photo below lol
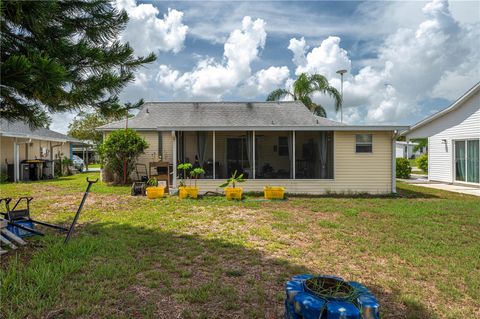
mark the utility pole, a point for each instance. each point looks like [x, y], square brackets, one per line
[341, 72]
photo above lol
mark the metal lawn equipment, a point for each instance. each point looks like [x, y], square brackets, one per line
[20, 224]
[138, 186]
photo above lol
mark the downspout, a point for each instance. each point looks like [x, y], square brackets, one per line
[394, 162]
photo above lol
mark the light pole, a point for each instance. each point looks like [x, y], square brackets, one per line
[341, 72]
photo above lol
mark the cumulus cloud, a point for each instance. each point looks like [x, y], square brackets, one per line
[211, 79]
[146, 32]
[265, 81]
[436, 59]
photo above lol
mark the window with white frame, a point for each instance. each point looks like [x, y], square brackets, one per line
[363, 143]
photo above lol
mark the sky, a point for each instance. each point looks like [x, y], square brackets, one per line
[405, 59]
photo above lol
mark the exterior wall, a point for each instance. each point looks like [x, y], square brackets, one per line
[462, 123]
[6, 153]
[353, 173]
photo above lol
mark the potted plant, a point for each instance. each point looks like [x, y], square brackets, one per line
[274, 192]
[194, 174]
[233, 192]
[153, 190]
[182, 188]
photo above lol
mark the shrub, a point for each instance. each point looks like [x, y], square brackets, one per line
[403, 168]
[422, 162]
[119, 148]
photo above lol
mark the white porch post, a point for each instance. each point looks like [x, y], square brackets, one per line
[394, 163]
[293, 154]
[253, 154]
[16, 161]
[174, 160]
[213, 149]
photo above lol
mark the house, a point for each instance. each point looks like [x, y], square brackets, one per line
[453, 140]
[271, 143]
[29, 154]
[406, 149]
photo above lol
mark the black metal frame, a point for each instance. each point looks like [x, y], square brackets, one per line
[15, 215]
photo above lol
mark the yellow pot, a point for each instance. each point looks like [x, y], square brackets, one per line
[192, 192]
[187, 191]
[182, 192]
[155, 192]
[233, 193]
[274, 192]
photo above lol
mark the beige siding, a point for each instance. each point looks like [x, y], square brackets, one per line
[6, 153]
[354, 173]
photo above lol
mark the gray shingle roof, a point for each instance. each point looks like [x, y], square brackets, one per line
[198, 115]
[20, 129]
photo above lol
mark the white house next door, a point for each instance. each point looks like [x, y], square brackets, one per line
[466, 160]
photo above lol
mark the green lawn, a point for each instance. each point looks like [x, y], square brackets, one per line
[133, 257]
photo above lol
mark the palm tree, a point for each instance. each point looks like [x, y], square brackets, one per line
[303, 87]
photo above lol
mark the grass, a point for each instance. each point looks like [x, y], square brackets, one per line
[132, 257]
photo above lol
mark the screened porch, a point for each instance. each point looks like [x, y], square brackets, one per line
[258, 155]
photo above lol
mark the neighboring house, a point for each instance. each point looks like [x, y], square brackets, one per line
[271, 143]
[407, 149]
[453, 140]
[28, 154]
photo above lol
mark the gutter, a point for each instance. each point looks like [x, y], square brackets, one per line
[268, 128]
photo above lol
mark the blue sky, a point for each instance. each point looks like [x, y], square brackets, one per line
[405, 60]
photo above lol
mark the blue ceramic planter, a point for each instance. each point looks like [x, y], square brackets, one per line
[302, 303]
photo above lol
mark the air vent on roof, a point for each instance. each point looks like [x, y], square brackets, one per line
[249, 104]
[147, 111]
[317, 121]
[196, 104]
[273, 123]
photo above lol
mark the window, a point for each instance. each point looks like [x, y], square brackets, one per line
[363, 143]
[282, 146]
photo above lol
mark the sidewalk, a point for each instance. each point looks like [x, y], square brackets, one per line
[421, 180]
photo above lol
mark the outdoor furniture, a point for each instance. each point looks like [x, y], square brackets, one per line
[161, 171]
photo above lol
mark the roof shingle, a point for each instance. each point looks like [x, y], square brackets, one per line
[171, 115]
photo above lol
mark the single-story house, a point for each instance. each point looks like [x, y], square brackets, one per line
[271, 143]
[453, 140]
[29, 154]
[406, 149]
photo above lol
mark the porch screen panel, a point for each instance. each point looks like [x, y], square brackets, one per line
[314, 155]
[198, 151]
[460, 166]
[473, 161]
[273, 152]
[233, 152]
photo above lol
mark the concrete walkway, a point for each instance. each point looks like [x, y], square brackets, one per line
[463, 189]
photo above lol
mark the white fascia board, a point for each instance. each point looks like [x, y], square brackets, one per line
[35, 137]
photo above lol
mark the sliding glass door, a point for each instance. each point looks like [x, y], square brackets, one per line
[472, 161]
[467, 163]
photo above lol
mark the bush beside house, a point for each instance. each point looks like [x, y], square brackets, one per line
[119, 152]
[403, 168]
[422, 162]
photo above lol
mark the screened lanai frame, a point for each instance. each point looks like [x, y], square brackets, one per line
[289, 146]
[470, 172]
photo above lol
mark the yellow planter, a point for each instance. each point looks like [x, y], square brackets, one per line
[233, 193]
[155, 192]
[187, 191]
[182, 192]
[192, 192]
[274, 192]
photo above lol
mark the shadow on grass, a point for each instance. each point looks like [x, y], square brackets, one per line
[118, 270]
